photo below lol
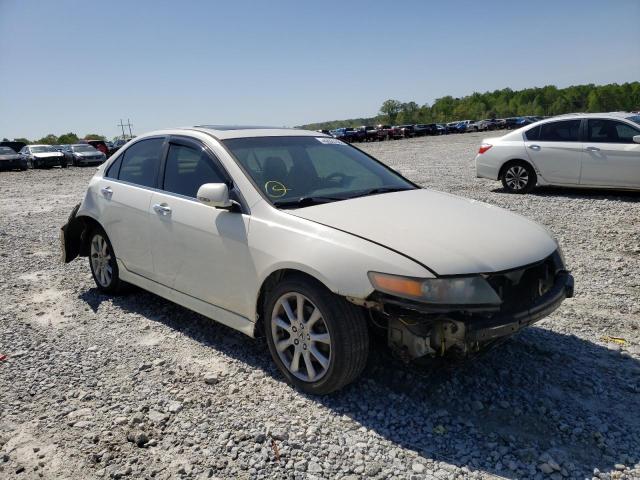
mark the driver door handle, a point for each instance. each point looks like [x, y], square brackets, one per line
[534, 147]
[162, 209]
[106, 191]
[592, 149]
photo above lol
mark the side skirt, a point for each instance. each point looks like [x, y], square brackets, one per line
[213, 312]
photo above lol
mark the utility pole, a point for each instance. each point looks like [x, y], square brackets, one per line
[128, 124]
[122, 126]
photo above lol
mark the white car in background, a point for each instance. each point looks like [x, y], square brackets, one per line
[599, 150]
[43, 156]
[313, 243]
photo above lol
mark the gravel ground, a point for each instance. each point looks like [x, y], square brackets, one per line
[136, 387]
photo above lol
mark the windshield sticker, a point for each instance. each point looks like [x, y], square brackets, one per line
[275, 189]
[329, 141]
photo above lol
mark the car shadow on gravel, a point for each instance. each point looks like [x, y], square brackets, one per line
[541, 401]
[581, 193]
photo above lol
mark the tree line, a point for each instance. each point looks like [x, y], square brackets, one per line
[540, 101]
[65, 139]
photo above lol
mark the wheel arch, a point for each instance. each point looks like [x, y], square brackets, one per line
[89, 224]
[514, 160]
[270, 282]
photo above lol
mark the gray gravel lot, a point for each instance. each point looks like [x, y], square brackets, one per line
[136, 387]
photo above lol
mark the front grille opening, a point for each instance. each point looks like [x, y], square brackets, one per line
[519, 289]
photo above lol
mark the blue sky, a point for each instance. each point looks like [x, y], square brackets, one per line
[82, 65]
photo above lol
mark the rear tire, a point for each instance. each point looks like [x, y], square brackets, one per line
[518, 177]
[318, 340]
[103, 264]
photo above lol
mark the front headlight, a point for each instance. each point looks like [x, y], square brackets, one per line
[472, 290]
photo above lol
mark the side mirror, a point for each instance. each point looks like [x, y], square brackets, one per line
[636, 138]
[214, 195]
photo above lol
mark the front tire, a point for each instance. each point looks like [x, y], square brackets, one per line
[103, 264]
[518, 177]
[318, 340]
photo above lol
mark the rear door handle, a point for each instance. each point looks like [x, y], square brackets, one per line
[534, 147]
[592, 149]
[162, 209]
[106, 191]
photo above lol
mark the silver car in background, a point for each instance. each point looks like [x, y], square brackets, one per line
[83, 154]
[598, 150]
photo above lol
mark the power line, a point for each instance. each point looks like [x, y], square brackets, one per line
[122, 125]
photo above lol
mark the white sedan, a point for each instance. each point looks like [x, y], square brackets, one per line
[600, 150]
[313, 243]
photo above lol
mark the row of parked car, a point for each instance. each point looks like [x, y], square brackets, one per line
[368, 133]
[20, 156]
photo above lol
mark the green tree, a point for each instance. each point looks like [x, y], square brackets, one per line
[23, 140]
[94, 136]
[68, 138]
[390, 109]
[50, 139]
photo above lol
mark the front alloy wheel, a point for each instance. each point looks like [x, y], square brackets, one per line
[301, 337]
[318, 340]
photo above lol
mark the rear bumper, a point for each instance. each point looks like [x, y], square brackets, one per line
[485, 169]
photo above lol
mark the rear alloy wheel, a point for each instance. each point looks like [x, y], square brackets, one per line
[102, 261]
[318, 340]
[519, 177]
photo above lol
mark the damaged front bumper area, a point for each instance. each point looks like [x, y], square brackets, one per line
[71, 237]
[416, 329]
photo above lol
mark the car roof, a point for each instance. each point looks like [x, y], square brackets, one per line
[223, 132]
[594, 115]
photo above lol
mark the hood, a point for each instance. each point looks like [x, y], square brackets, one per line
[448, 234]
[9, 156]
[88, 154]
[47, 154]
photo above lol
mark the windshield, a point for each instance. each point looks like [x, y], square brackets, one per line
[300, 169]
[6, 151]
[42, 149]
[83, 148]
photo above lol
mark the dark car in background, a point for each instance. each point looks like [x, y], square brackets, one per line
[43, 156]
[511, 123]
[83, 154]
[116, 145]
[422, 129]
[100, 145]
[11, 160]
[395, 133]
[366, 133]
[346, 134]
[15, 146]
[407, 131]
[384, 132]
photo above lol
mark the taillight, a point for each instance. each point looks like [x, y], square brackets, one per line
[484, 147]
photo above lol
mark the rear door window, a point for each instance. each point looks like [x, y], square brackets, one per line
[141, 161]
[563, 131]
